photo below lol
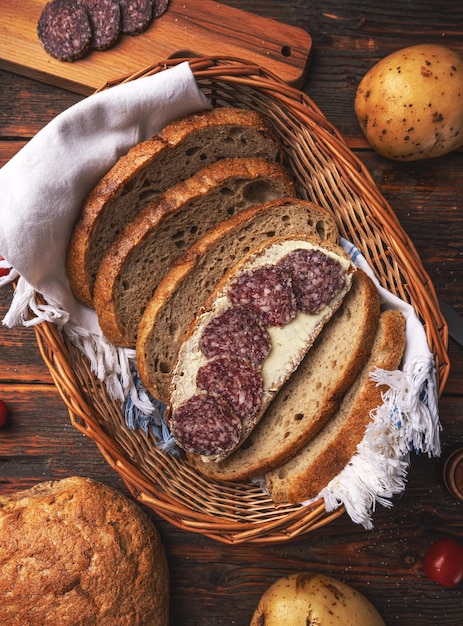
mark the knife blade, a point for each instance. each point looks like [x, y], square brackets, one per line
[454, 321]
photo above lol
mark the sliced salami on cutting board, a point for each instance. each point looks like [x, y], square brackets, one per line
[188, 28]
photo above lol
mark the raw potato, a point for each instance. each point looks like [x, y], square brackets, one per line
[307, 599]
[410, 104]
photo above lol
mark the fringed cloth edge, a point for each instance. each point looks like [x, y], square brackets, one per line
[115, 367]
[407, 421]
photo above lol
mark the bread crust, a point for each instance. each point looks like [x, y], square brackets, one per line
[176, 210]
[175, 133]
[98, 203]
[314, 391]
[291, 362]
[189, 282]
[75, 551]
[85, 248]
[325, 456]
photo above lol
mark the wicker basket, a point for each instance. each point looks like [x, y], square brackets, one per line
[327, 173]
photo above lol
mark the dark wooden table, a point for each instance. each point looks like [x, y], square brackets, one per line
[216, 584]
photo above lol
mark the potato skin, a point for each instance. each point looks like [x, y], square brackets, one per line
[410, 104]
[305, 598]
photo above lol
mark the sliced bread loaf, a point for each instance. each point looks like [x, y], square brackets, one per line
[226, 336]
[136, 261]
[148, 169]
[304, 476]
[185, 288]
[314, 391]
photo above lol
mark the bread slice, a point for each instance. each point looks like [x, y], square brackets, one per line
[148, 169]
[184, 289]
[289, 342]
[314, 391]
[140, 256]
[304, 476]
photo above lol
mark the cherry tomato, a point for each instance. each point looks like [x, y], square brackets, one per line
[443, 562]
[3, 270]
[3, 413]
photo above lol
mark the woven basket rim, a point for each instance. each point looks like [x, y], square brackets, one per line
[295, 520]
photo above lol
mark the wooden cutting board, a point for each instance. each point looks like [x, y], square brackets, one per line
[187, 28]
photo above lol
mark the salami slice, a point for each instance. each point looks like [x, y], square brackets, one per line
[64, 29]
[268, 291]
[105, 20]
[316, 278]
[160, 7]
[236, 332]
[238, 381]
[136, 15]
[206, 425]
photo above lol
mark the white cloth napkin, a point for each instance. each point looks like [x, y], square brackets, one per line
[43, 188]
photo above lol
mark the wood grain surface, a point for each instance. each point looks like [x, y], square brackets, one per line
[187, 28]
[214, 584]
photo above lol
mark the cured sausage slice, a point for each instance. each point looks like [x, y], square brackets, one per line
[205, 424]
[236, 332]
[160, 7]
[238, 381]
[64, 29]
[316, 278]
[136, 15]
[268, 291]
[105, 20]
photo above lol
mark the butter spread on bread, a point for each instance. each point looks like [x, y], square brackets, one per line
[136, 261]
[148, 169]
[288, 343]
[312, 394]
[191, 279]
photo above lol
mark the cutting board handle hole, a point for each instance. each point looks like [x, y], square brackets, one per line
[286, 51]
[184, 54]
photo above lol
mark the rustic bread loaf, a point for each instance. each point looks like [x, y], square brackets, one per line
[274, 348]
[313, 392]
[184, 289]
[304, 476]
[149, 168]
[136, 261]
[75, 551]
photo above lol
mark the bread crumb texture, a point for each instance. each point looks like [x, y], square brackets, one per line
[75, 551]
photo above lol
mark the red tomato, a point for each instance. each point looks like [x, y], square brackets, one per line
[443, 562]
[3, 413]
[3, 270]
